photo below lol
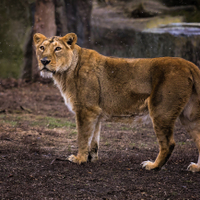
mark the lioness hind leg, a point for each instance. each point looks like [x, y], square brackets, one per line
[166, 145]
[168, 98]
[195, 167]
[194, 129]
[190, 118]
[94, 147]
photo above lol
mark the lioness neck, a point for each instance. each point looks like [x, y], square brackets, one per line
[59, 77]
[65, 80]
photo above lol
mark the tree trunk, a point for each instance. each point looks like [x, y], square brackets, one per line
[79, 20]
[84, 9]
[45, 24]
[28, 53]
[61, 18]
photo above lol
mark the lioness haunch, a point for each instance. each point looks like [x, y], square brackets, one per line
[96, 87]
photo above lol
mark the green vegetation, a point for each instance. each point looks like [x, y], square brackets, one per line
[72, 133]
[125, 128]
[15, 24]
[108, 125]
[11, 123]
[42, 121]
[107, 143]
[52, 122]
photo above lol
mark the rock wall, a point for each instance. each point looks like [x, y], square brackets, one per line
[148, 44]
[15, 23]
[158, 43]
[115, 35]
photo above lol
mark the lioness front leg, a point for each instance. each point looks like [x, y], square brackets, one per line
[94, 146]
[86, 121]
[166, 146]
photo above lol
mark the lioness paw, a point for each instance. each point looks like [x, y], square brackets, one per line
[193, 167]
[72, 158]
[148, 165]
[93, 157]
[76, 159]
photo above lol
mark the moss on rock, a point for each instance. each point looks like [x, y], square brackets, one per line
[15, 20]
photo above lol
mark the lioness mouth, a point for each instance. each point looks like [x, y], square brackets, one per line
[46, 69]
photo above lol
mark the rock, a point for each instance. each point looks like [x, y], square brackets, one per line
[144, 37]
[15, 23]
[176, 39]
[153, 8]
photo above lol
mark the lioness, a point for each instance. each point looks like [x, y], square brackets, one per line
[95, 87]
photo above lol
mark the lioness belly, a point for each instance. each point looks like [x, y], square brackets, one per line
[125, 105]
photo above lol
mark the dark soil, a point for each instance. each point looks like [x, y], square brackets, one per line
[37, 133]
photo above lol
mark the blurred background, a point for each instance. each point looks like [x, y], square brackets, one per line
[123, 28]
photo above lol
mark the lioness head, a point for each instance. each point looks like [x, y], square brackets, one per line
[54, 54]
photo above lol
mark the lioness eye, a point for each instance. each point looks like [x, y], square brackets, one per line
[42, 48]
[57, 48]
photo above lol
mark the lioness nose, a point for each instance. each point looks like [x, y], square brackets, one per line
[45, 61]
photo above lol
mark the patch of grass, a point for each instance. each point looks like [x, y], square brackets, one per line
[12, 123]
[52, 122]
[72, 133]
[143, 145]
[181, 143]
[69, 149]
[45, 121]
[108, 125]
[124, 128]
[188, 181]
[107, 143]
[134, 129]
[132, 145]
[174, 193]
[6, 120]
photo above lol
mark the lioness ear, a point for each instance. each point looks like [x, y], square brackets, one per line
[70, 39]
[38, 38]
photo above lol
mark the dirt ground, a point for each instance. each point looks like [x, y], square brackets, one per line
[37, 134]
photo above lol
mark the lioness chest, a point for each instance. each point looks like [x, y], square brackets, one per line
[67, 90]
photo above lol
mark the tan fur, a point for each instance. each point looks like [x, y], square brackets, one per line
[96, 87]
